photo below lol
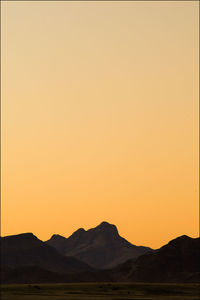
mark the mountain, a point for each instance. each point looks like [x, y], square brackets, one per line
[101, 247]
[25, 259]
[178, 261]
[26, 250]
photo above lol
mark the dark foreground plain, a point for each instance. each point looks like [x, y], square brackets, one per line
[100, 291]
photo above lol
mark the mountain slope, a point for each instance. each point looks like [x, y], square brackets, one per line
[178, 261]
[25, 250]
[101, 247]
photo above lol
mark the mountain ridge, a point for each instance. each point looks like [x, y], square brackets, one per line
[101, 247]
[177, 261]
[25, 250]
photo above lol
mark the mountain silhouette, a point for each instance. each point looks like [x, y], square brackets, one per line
[26, 259]
[178, 261]
[101, 247]
[26, 250]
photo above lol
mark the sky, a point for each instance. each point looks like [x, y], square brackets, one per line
[100, 118]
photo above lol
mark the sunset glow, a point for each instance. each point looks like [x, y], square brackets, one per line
[100, 118]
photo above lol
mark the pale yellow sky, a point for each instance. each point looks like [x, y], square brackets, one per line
[100, 118]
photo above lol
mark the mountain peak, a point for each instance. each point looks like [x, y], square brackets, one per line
[57, 237]
[78, 233]
[106, 227]
[80, 230]
[101, 247]
[180, 239]
[105, 224]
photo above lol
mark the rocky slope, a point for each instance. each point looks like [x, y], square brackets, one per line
[101, 247]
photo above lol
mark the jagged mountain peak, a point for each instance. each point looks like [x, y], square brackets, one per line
[79, 231]
[100, 247]
[106, 225]
[105, 228]
[57, 237]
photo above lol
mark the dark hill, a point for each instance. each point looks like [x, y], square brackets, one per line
[25, 250]
[178, 261]
[101, 247]
[25, 262]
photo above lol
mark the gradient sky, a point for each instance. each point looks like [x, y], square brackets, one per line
[100, 118]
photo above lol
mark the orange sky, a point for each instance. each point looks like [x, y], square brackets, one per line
[100, 118]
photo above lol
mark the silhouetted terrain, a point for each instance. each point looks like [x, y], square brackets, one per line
[178, 261]
[101, 247]
[26, 250]
[26, 259]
